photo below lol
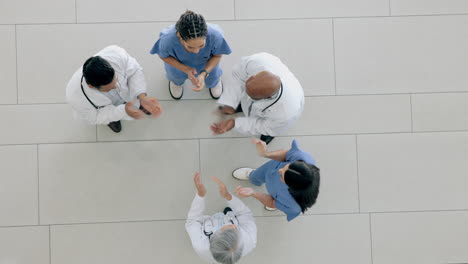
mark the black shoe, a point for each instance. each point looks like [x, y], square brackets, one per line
[226, 210]
[266, 139]
[239, 109]
[144, 110]
[115, 126]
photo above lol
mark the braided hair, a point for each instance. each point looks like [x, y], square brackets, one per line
[303, 180]
[191, 26]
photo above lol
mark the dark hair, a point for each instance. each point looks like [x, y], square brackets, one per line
[303, 180]
[191, 26]
[97, 72]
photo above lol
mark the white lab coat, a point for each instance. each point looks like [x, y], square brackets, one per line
[279, 117]
[200, 241]
[131, 83]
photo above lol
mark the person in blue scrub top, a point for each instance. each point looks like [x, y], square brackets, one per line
[192, 49]
[291, 178]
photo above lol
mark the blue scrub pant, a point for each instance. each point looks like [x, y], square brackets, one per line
[257, 176]
[178, 77]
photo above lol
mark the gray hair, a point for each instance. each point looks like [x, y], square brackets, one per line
[225, 246]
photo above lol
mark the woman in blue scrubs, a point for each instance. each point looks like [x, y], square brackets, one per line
[291, 178]
[192, 49]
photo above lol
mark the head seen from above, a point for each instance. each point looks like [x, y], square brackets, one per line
[99, 74]
[225, 245]
[303, 180]
[263, 85]
[192, 31]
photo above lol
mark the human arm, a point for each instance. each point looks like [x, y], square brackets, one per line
[194, 221]
[191, 72]
[264, 198]
[278, 155]
[235, 86]
[210, 65]
[253, 125]
[246, 222]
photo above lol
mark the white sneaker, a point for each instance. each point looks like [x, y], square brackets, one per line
[242, 173]
[271, 209]
[216, 91]
[176, 91]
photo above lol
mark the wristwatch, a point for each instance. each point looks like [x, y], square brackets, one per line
[207, 73]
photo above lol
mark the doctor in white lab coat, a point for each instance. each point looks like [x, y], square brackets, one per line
[268, 94]
[110, 87]
[226, 236]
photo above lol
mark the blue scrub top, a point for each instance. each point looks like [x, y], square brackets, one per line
[284, 201]
[169, 45]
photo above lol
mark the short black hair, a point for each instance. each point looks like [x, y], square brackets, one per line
[303, 180]
[97, 72]
[191, 26]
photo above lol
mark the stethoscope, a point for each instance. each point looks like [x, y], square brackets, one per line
[89, 100]
[277, 99]
[209, 233]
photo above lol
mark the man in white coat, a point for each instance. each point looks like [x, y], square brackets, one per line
[225, 236]
[268, 94]
[110, 87]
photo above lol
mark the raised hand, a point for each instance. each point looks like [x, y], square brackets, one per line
[227, 110]
[191, 72]
[135, 113]
[199, 185]
[152, 105]
[223, 126]
[261, 147]
[200, 83]
[244, 192]
[222, 189]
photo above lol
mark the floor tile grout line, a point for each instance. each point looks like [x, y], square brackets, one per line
[76, 14]
[256, 216]
[223, 138]
[411, 112]
[235, 15]
[38, 187]
[50, 246]
[238, 20]
[16, 58]
[307, 96]
[371, 240]
[334, 53]
[357, 173]
[389, 7]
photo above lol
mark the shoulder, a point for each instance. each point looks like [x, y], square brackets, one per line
[215, 30]
[168, 34]
[286, 203]
[115, 55]
[295, 153]
[112, 51]
[74, 87]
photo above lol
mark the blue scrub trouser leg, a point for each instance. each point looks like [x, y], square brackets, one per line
[257, 177]
[214, 77]
[174, 75]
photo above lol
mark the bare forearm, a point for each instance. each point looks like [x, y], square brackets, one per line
[212, 62]
[278, 155]
[175, 63]
[265, 199]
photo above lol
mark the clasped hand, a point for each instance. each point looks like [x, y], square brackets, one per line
[198, 81]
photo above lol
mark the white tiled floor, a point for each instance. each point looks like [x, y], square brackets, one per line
[386, 118]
